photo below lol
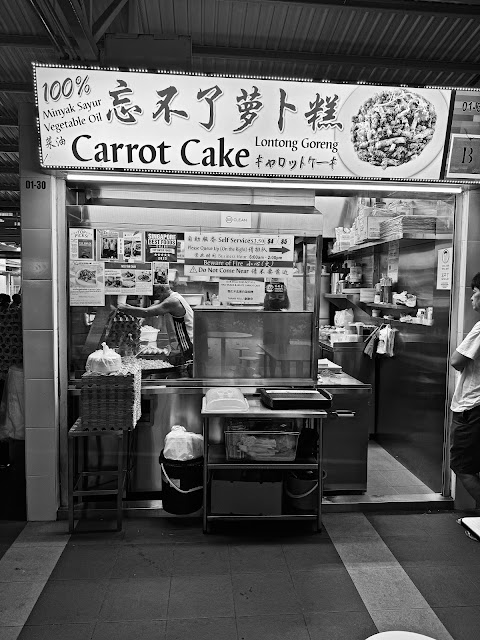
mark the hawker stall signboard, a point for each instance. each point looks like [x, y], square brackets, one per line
[180, 123]
[238, 255]
[464, 150]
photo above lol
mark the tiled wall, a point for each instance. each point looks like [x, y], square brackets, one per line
[38, 207]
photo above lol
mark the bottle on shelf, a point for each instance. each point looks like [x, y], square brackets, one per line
[377, 298]
[387, 290]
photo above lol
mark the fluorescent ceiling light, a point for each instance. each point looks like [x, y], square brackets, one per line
[264, 183]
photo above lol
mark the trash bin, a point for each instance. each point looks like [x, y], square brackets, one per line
[301, 490]
[182, 485]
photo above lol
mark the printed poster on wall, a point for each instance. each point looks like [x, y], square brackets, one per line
[120, 245]
[444, 268]
[160, 272]
[87, 283]
[134, 279]
[160, 247]
[105, 119]
[240, 292]
[82, 246]
[238, 255]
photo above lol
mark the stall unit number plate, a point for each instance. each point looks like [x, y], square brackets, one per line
[464, 157]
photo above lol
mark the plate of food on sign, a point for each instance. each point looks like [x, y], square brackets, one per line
[391, 131]
[128, 279]
[86, 277]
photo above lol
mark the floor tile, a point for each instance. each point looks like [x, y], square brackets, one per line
[68, 601]
[58, 632]
[17, 600]
[286, 627]
[401, 477]
[138, 630]
[143, 561]
[257, 558]
[416, 550]
[354, 625]
[317, 592]
[9, 531]
[386, 588]
[28, 564]
[201, 597]
[44, 533]
[85, 563]
[364, 552]
[301, 557]
[3, 549]
[88, 532]
[445, 587]
[410, 524]
[352, 525]
[462, 623]
[264, 594]
[164, 530]
[201, 629]
[136, 599]
[200, 560]
[10, 633]
[424, 621]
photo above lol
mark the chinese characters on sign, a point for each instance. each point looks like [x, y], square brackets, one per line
[238, 255]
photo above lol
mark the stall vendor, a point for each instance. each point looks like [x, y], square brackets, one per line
[178, 319]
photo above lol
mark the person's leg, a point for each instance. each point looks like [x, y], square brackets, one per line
[471, 482]
[465, 450]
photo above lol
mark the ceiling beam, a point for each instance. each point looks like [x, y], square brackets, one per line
[12, 168]
[77, 21]
[9, 187]
[19, 40]
[8, 148]
[8, 122]
[108, 16]
[16, 87]
[8, 205]
[339, 59]
[425, 7]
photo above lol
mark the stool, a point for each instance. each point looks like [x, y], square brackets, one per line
[78, 473]
[251, 360]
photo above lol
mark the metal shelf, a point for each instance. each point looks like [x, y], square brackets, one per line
[217, 460]
[306, 516]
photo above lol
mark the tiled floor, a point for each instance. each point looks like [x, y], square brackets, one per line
[163, 579]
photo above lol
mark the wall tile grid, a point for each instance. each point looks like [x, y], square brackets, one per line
[38, 291]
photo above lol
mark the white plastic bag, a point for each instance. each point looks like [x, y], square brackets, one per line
[104, 360]
[182, 445]
[343, 318]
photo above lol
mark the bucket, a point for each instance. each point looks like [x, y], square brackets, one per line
[301, 490]
[182, 484]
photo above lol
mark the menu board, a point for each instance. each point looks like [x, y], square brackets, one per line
[128, 279]
[82, 246]
[87, 283]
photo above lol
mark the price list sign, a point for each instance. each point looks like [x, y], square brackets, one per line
[464, 153]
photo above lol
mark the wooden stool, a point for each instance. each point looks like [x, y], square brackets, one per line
[78, 472]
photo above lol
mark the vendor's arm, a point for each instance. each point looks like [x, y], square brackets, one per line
[171, 306]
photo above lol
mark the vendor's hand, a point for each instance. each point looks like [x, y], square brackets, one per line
[121, 306]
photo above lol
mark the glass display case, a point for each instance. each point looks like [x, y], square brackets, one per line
[240, 343]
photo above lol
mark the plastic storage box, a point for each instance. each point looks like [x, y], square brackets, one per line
[270, 446]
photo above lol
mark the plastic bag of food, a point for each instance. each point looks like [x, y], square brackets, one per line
[343, 318]
[182, 445]
[104, 360]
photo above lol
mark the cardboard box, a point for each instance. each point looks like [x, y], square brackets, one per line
[369, 228]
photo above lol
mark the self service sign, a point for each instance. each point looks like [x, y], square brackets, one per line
[181, 123]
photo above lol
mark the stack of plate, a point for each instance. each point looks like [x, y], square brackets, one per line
[367, 294]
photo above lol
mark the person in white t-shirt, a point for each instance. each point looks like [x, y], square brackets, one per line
[465, 433]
